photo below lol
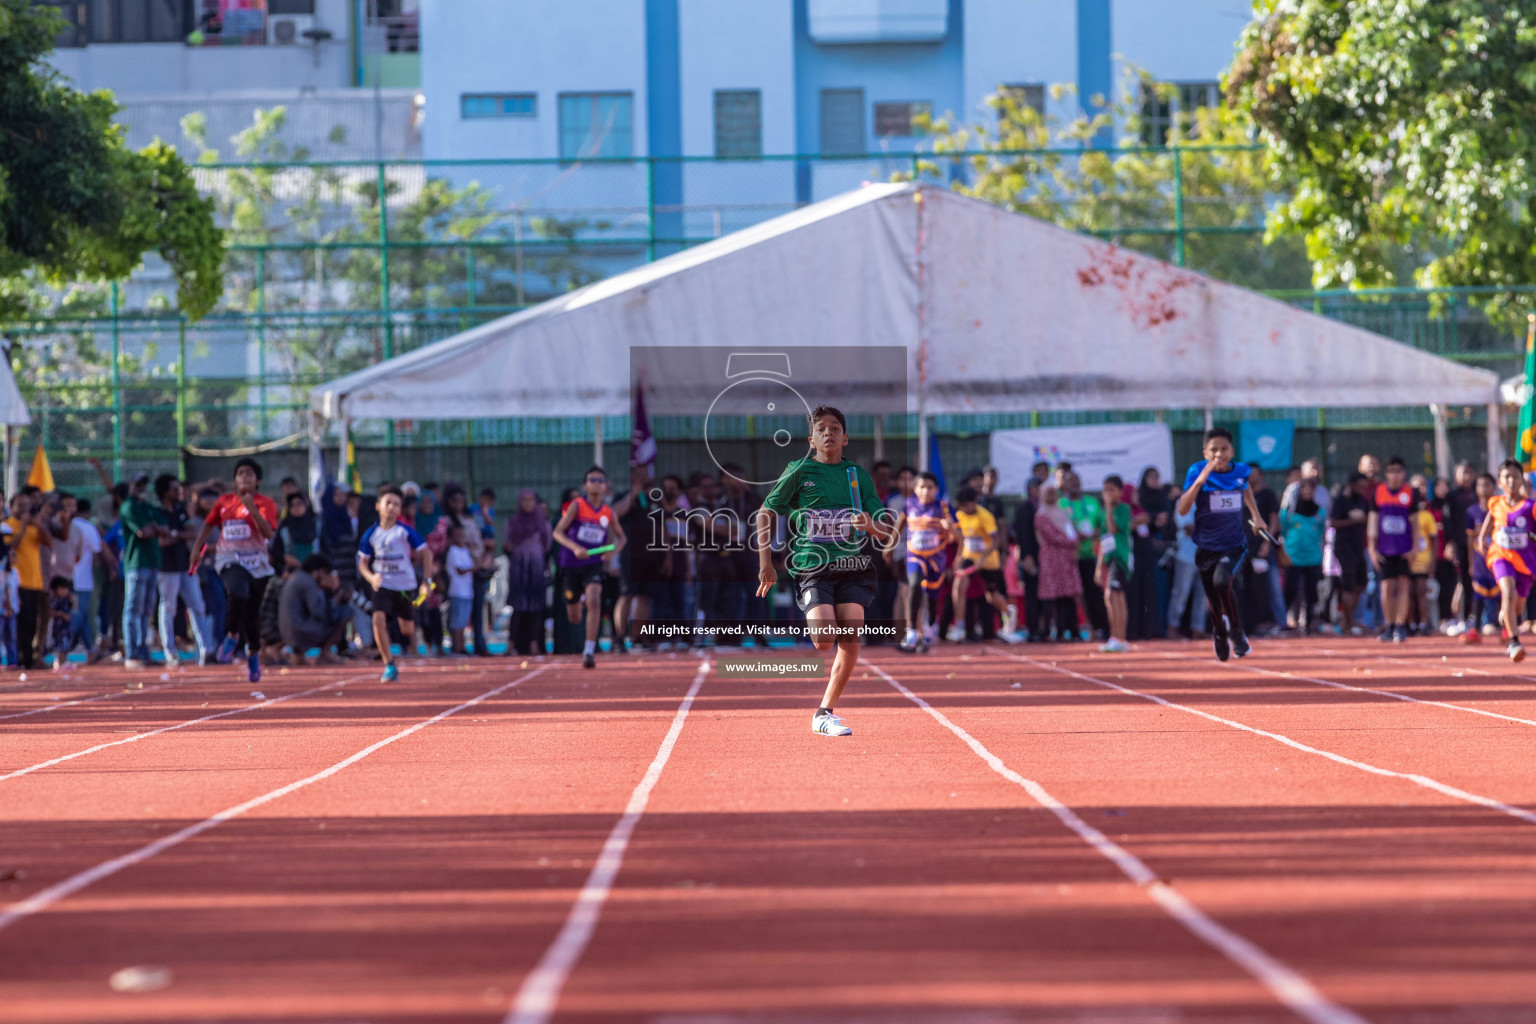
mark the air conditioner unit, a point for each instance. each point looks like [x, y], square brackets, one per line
[288, 29]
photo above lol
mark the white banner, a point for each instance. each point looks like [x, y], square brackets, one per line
[1094, 451]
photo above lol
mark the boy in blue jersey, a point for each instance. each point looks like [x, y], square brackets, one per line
[1217, 489]
[384, 556]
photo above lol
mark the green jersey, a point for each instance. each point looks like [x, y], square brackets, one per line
[1088, 519]
[817, 501]
[139, 553]
[1120, 544]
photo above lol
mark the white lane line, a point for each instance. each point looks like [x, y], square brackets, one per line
[93, 700]
[1364, 689]
[1283, 982]
[540, 991]
[1413, 777]
[179, 725]
[45, 898]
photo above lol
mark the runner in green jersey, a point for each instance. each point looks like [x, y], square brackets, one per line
[832, 512]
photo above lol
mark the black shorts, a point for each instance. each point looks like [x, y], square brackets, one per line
[1393, 567]
[991, 578]
[575, 579]
[395, 603]
[1352, 570]
[1114, 575]
[239, 584]
[1207, 562]
[834, 589]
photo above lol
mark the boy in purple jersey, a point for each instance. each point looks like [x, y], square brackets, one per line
[1390, 534]
[929, 526]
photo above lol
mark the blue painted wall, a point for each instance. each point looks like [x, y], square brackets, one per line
[1094, 70]
[664, 114]
[934, 72]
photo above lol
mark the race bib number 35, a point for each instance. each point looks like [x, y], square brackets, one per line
[1226, 501]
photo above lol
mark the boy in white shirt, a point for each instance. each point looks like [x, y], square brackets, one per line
[461, 586]
[384, 557]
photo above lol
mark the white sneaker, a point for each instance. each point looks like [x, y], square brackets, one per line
[1013, 636]
[1455, 629]
[1011, 619]
[1114, 646]
[829, 725]
[955, 635]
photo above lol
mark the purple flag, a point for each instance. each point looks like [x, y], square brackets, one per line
[642, 446]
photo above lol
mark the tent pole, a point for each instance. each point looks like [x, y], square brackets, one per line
[12, 463]
[1442, 442]
[879, 438]
[597, 440]
[343, 470]
[1495, 435]
[1210, 417]
[922, 440]
[316, 460]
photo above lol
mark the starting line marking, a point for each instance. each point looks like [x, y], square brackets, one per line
[42, 900]
[1425, 781]
[1366, 689]
[540, 991]
[1283, 982]
[179, 725]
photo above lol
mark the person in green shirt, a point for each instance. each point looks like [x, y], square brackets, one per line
[1113, 572]
[1088, 520]
[831, 509]
[142, 525]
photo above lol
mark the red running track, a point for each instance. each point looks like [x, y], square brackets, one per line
[1325, 831]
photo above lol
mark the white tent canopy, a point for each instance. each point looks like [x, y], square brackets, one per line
[13, 414]
[1000, 312]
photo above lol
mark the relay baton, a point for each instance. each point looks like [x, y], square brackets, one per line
[599, 551]
[421, 596]
[853, 491]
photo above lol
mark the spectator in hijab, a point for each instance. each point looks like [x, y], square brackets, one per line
[529, 534]
[297, 532]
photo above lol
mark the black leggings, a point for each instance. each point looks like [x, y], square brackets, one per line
[916, 592]
[1218, 573]
[242, 615]
[1064, 611]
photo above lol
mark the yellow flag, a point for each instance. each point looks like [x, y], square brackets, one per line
[41, 475]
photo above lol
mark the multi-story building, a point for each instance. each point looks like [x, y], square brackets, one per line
[346, 71]
[584, 80]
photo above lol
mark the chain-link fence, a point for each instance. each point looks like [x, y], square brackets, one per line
[336, 266]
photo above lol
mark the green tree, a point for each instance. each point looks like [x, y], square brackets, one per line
[75, 203]
[1207, 173]
[1409, 130]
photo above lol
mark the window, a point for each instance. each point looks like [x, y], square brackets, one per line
[899, 120]
[1194, 97]
[1156, 116]
[398, 21]
[842, 122]
[738, 122]
[1162, 114]
[123, 21]
[1027, 97]
[290, 6]
[75, 31]
[595, 124]
[474, 105]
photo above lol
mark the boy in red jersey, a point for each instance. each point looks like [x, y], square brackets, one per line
[246, 521]
[581, 572]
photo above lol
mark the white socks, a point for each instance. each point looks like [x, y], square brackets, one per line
[591, 646]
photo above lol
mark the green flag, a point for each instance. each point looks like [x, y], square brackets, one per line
[1525, 443]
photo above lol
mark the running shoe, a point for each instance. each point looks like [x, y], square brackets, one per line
[829, 724]
[1240, 647]
[588, 661]
[253, 668]
[1471, 637]
[1516, 652]
[909, 642]
[1114, 646]
[1223, 649]
[1388, 635]
[955, 635]
[226, 652]
[391, 673]
[922, 646]
[1400, 635]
